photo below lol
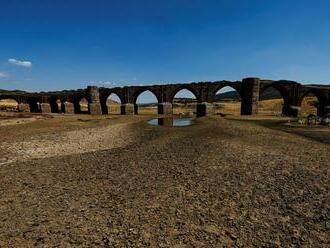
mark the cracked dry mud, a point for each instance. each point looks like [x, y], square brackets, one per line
[218, 183]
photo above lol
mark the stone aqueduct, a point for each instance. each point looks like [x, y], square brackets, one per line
[249, 89]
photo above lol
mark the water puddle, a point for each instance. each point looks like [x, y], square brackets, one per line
[171, 122]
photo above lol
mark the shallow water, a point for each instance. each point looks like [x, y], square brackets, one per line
[171, 122]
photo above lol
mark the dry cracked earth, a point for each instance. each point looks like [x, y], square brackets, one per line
[117, 182]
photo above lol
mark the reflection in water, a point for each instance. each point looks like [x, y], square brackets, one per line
[171, 122]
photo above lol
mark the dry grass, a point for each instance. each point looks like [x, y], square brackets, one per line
[113, 108]
[266, 107]
[227, 107]
[153, 110]
[182, 108]
[83, 105]
[271, 107]
[308, 106]
[6, 104]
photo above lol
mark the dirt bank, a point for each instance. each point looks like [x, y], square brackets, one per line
[217, 183]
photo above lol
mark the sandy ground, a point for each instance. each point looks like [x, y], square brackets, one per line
[76, 141]
[12, 118]
[218, 183]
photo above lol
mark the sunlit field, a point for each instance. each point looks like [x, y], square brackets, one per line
[309, 106]
[8, 104]
[228, 107]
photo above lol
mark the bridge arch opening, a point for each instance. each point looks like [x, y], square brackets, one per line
[227, 101]
[35, 106]
[184, 103]
[8, 104]
[113, 104]
[146, 103]
[310, 105]
[271, 102]
[83, 106]
[56, 106]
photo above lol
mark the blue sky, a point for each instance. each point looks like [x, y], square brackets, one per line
[55, 44]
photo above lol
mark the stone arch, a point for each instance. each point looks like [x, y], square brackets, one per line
[284, 94]
[271, 102]
[184, 87]
[185, 107]
[280, 88]
[56, 104]
[141, 90]
[75, 99]
[83, 107]
[220, 85]
[113, 103]
[321, 98]
[35, 104]
[104, 95]
[147, 108]
[227, 99]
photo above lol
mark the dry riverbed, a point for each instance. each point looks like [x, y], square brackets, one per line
[82, 181]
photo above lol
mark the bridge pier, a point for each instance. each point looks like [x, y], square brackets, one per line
[327, 110]
[250, 96]
[94, 108]
[165, 108]
[127, 109]
[322, 110]
[290, 110]
[67, 108]
[23, 107]
[204, 109]
[94, 104]
[45, 108]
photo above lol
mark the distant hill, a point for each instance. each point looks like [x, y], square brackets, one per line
[270, 93]
[11, 91]
[229, 95]
[110, 101]
[184, 100]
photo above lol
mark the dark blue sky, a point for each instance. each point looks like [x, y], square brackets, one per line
[73, 43]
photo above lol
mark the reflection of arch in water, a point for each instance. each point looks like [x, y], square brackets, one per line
[113, 103]
[227, 100]
[146, 101]
[184, 101]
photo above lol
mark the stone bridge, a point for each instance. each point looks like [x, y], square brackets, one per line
[249, 90]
